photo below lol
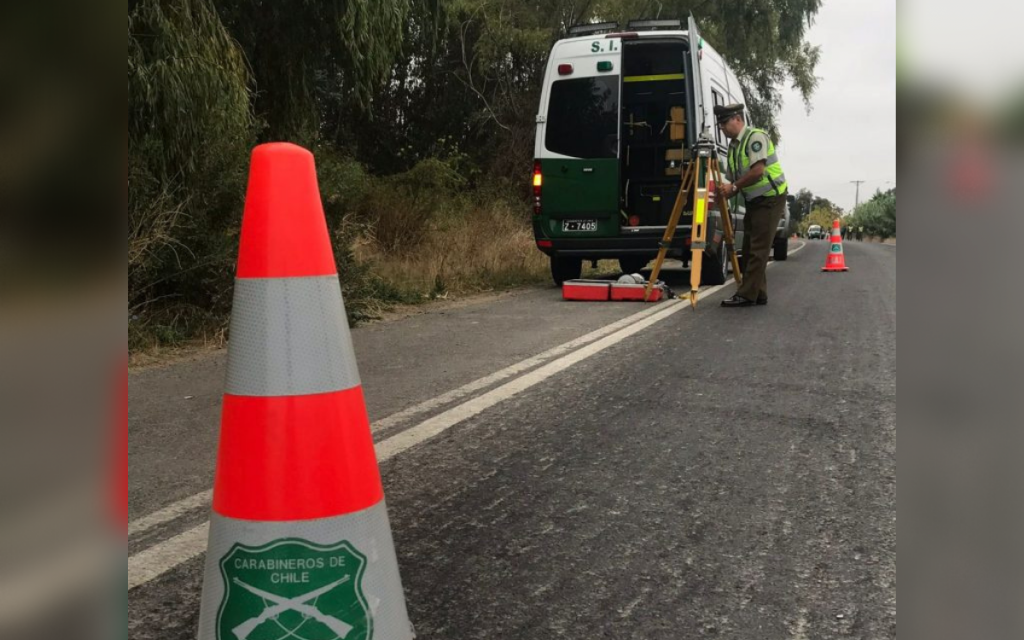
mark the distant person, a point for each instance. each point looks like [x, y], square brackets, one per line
[754, 170]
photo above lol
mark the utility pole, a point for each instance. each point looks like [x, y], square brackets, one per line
[858, 183]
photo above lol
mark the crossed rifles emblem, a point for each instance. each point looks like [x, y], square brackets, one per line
[298, 605]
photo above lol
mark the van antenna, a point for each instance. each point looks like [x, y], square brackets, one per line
[660, 8]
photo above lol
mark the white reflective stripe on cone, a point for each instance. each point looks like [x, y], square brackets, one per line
[290, 337]
[336, 577]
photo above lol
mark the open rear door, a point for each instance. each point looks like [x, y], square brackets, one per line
[696, 82]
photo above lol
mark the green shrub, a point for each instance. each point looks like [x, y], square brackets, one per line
[400, 208]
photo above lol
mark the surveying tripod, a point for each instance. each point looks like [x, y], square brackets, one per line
[699, 172]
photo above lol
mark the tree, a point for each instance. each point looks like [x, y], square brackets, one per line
[467, 82]
[877, 216]
[302, 51]
[189, 129]
[188, 85]
[806, 205]
[824, 217]
[809, 209]
[470, 71]
[802, 206]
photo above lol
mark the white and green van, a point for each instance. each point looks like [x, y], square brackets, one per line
[620, 112]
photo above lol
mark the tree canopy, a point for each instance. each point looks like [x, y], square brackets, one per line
[303, 53]
[877, 216]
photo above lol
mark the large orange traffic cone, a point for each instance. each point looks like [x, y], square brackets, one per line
[836, 257]
[300, 541]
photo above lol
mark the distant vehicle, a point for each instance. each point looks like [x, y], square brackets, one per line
[815, 232]
[621, 111]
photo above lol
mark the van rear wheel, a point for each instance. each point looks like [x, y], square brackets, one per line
[781, 253]
[563, 269]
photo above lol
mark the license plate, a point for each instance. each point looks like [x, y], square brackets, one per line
[579, 225]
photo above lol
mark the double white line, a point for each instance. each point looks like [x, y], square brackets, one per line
[157, 560]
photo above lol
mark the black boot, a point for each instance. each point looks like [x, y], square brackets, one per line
[738, 301]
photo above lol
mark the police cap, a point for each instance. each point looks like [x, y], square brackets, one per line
[724, 112]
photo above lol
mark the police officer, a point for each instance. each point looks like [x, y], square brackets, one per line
[756, 174]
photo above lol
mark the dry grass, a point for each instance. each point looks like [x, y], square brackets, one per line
[156, 355]
[150, 345]
[404, 252]
[478, 248]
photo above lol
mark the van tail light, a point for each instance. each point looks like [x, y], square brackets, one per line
[538, 185]
[565, 69]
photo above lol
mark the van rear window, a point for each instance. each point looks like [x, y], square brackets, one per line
[647, 59]
[583, 119]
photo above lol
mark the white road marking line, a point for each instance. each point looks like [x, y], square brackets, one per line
[182, 507]
[508, 372]
[801, 625]
[439, 424]
[161, 558]
[171, 513]
[157, 560]
[152, 563]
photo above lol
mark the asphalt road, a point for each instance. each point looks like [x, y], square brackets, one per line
[719, 473]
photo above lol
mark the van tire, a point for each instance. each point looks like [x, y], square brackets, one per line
[563, 269]
[781, 253]
[713, 266]
[633, 265]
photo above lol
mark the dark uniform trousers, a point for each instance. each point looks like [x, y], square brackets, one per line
[760, 225]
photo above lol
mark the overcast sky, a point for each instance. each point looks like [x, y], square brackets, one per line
[850, 133]
[989, 31]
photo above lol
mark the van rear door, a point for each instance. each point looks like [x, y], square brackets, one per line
[655, 98]
[579, 159]
[696, 82]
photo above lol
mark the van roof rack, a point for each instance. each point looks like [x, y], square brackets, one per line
[588, 29]
[654, 25]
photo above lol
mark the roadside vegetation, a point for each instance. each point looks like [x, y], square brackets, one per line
[877, 216]
[809, 209]
[420, 114]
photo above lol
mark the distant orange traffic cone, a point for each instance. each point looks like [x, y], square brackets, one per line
[836, 257]
[300, 541]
